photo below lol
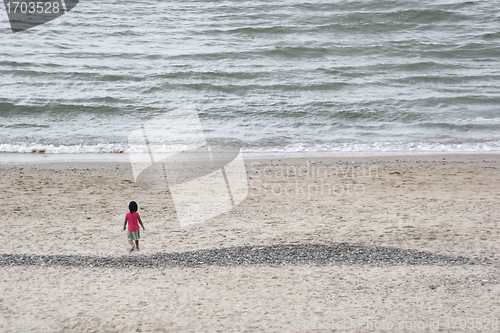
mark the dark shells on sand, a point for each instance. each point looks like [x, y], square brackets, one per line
[271, 255]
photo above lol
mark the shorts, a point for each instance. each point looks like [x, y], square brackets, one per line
[133, 235]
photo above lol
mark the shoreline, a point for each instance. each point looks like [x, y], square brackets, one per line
[42, 158]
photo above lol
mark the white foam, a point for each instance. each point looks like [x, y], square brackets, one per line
[336, 147]
[389, 147]
[62, 149]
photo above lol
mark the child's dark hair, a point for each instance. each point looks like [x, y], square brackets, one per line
[132, 206]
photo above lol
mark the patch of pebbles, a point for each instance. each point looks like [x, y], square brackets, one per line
[271, 255]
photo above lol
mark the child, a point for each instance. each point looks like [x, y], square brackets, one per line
[133, 227]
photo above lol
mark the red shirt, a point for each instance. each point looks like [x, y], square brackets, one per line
[133, 225]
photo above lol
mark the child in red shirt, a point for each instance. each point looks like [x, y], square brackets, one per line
[133, 228]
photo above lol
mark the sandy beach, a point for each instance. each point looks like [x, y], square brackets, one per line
[439, 204]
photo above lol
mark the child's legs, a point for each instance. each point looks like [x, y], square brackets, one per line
[137, 244]
[131, 242]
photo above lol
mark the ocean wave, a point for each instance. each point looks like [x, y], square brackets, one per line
[337, 147]
[294, 77]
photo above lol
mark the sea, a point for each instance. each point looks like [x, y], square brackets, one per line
[338, 76]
